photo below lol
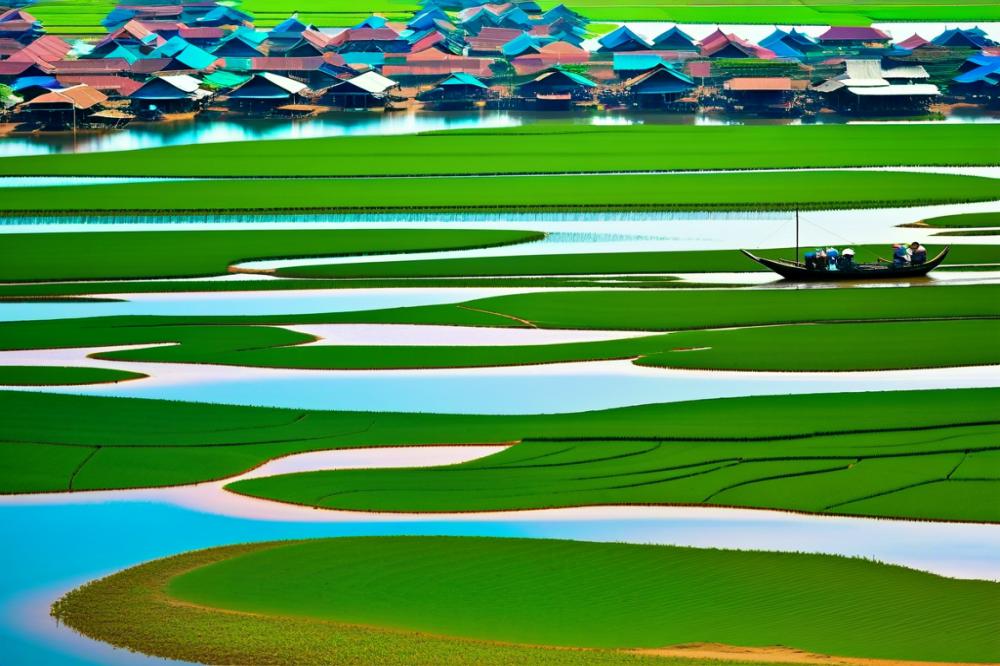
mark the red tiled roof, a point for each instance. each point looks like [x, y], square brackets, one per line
[81, 96]
[759, 83]
[316, 38]
[201, 33]
[47, 48]
[428, 42]
[9, 47]
[148, 65]
[436, 63]
[334, 59]
[913, 42]
[286, 64]
[371, 35]
[19, 15]
[841, 34]
[91, 66]
[8, 68]
[701, 69]
[16, 26]
[492, 39]
[118, 85]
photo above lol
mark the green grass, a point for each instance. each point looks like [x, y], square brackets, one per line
[859, 473]
[603, 263]
[543, 148]
[750, 191]
[173, 254]
[857, 341]
[828, 347]
[131, 610]
[964, 220]
[28, 375]
[100, 443]
[607, 595]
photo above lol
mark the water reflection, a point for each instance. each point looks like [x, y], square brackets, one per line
[213, 130]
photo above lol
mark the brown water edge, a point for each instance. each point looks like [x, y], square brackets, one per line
[776, 654]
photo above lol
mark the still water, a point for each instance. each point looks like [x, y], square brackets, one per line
[64, 540]
[214, 130]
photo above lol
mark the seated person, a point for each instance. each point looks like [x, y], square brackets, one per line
[918, 254]
[900, 257]
[846, 261]
[811, 261]
[832, 258]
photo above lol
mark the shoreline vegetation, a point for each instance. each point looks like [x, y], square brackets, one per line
[326, 601]
[783, 457]
[806, 190]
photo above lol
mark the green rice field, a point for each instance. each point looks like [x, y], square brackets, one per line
[751, 191]
[553, 147]
[602, 597]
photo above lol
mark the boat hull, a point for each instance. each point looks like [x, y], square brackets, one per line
[799, 273]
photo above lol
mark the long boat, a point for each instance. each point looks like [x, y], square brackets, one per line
[795, 270]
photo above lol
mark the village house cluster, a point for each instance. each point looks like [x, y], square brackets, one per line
[202, 57]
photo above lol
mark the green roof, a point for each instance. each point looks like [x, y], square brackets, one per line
[222, 79]
[463, 79]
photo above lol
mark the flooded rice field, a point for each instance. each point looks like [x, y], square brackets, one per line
[84, 524]
[65, 539]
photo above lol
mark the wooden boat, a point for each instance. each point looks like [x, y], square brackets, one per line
[794, 270]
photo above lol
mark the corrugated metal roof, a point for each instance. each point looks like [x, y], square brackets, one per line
[80, 96]
[910, 90]
[120, 85]
[309, 64]
[860, 34]
[749, 84]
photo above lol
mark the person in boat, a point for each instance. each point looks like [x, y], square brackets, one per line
[900, 257]
[846, 261]
[821, 259]
[918, 254]
[810, 258]
[832, 258]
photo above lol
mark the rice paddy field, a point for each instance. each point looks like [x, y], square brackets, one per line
[505, 396]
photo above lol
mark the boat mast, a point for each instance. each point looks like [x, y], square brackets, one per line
[796, 235]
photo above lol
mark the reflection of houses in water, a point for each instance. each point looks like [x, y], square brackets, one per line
[866, 88]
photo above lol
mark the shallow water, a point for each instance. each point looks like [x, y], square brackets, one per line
[344, 124]
[226, 303]
[36, 568]
[552, 388]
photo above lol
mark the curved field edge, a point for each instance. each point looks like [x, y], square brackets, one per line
[948, 473]
[155, 624]
[203, 253]
[553, 147]
[745, 191]
[600, 595]
[109, 443]
[43, 375]
[960, 220]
